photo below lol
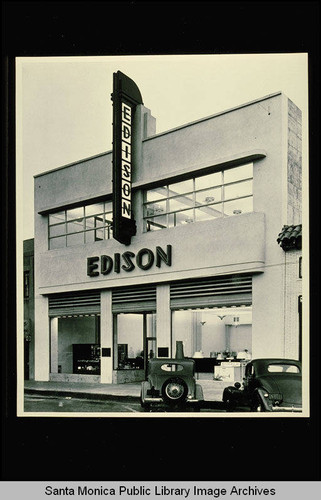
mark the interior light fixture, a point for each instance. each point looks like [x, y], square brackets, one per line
[158, 209]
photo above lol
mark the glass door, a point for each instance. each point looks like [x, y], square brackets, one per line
[149, 351]
[149, 322]
[135, 340]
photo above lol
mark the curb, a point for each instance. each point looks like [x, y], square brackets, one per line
[81, 395]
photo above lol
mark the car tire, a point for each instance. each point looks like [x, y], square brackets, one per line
[174, 391]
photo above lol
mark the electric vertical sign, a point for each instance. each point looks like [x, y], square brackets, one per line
[126, 96]
[126, 162]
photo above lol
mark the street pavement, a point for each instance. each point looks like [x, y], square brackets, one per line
[91, 397]
[37, 403]
[52, 404]
[212, 389]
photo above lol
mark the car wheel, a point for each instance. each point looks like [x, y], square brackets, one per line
[174, 391]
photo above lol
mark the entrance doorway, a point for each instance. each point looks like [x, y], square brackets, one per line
[149, 351]
[135, 344]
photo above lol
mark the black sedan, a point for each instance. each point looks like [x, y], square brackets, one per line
[171, 383]
[270, 385]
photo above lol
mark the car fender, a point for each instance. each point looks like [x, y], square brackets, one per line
[231, 393]
[199, 392]
[144, 388]
[258, 396]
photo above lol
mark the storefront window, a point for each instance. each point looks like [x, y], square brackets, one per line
[75, 345]
[213, 333]
[80, 225]
[133, 334]
[224, 193]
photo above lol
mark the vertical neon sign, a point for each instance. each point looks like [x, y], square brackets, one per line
[126, 162]
[126, 97]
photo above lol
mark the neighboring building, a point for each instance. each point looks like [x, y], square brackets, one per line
[29, 308]
[204, 267]
[290, 240]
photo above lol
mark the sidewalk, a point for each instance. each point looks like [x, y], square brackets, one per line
[83, 390]
[212, 389]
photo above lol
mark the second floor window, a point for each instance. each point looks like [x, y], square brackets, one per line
[80, 225]
[220, 194]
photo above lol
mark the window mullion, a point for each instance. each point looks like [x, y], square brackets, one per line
[84, 224]
[194, 199]
[223, 193]
[65, 227]
[167, 206]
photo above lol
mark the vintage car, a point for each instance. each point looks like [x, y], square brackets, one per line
[171, 383]
[269, 385]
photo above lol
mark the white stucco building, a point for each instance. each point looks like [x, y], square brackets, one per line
[204, 267]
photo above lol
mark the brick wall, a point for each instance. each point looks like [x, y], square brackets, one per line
[294, 215]
[292, 290]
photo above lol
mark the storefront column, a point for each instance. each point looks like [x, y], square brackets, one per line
[106, 332]
[268, 315]
[42, 339]
[54, 345]
[163, 318]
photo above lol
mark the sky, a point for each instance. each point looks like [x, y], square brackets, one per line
[64, 107]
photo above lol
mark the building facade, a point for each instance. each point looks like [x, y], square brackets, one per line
[204, 266]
